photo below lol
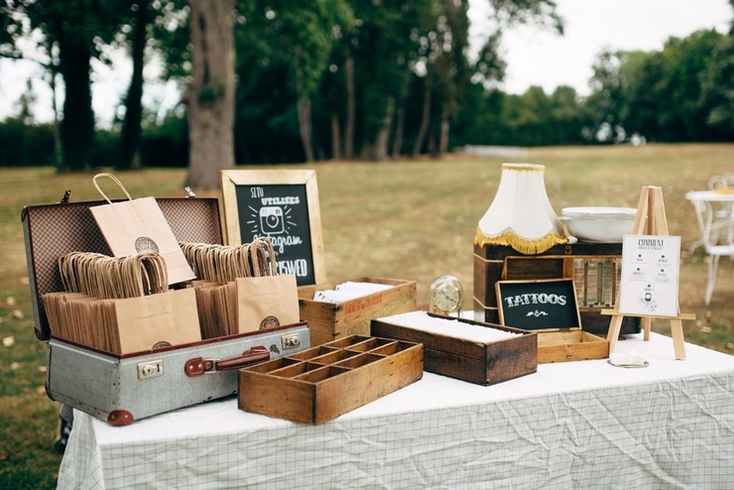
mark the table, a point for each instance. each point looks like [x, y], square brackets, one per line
[705, 202]
[716, 226]
[584, 424]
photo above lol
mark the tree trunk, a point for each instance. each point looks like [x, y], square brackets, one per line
[351, 107]
[211, 93]
[304, 123]
[443, 145]
[130, 152]
[303, 107]
[425, 118]
[383, 134]
[58, 156]
[399, 129]
[335, 137]
[77, 127]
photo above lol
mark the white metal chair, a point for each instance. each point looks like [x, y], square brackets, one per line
[717, 241]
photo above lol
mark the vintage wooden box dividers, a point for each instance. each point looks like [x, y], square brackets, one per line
[594, 267]
[549, 308]
[465, 358]
[330, 321]
[324, 382]
[123, 388]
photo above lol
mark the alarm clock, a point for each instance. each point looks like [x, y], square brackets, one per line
[446, 295]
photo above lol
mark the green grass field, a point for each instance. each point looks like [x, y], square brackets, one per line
[406, 220]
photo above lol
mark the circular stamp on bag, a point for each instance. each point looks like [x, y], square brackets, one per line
[269, 322]
[145, 244]
[160, 345]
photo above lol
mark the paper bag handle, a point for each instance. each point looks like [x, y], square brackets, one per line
[115, 180]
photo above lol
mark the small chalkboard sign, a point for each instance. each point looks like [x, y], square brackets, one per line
[282, 205]
[541, 304]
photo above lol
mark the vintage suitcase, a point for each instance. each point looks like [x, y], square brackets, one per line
[476, 352]
[123, 388]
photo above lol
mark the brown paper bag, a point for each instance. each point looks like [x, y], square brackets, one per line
[138, 225]
[157, 320]
[125, 325]
[266, 302]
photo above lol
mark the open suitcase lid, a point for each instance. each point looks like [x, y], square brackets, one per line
[53, 230]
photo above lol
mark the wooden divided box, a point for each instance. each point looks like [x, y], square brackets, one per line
[471, 351]
[549, 308]
[594, 267]
[329, 321]
[324, 382]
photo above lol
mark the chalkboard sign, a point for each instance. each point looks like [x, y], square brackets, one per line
[535, 305]
[282, 205]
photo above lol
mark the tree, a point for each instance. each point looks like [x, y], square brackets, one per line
[717, 86]
[300, 36]
[608, 86]
[130, 138]
[210, 95]
[384, 47]
[79, 28]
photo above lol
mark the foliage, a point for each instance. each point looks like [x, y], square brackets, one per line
[677, 94]
[26, 145]
[94, 24]
[412, 83]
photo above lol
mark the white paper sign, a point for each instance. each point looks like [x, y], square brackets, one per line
[650, 271]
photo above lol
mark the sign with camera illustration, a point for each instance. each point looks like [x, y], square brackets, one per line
[282, 206]
[650, 274]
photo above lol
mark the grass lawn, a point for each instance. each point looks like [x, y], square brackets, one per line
[405, 219]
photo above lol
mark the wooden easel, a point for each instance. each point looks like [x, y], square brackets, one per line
[650, 220]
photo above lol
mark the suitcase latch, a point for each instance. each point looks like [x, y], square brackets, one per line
[150, 369]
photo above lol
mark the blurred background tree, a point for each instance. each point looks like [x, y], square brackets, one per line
[345, 79]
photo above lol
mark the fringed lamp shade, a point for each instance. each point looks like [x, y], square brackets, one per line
[521, 215]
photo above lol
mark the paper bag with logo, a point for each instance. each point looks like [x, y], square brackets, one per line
[156, 320]
[138, 225]
[138, 314]
[266, 301]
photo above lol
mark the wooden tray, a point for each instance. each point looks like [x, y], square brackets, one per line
[324, 382]
[549, 308]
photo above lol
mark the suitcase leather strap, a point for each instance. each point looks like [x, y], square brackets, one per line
[199, 365]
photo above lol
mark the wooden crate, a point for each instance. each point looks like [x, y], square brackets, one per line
[494, 263]
[463, 352]
[549, 308]
[324, 382]
[560, 345]
[330, 321]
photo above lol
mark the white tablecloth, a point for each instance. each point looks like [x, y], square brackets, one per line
[581, 425]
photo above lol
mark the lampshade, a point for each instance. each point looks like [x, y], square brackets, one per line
[521, 214]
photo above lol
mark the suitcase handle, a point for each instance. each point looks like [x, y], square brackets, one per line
[198, 365]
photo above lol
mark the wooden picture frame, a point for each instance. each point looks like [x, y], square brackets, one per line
[548, 304]
[282, 205]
